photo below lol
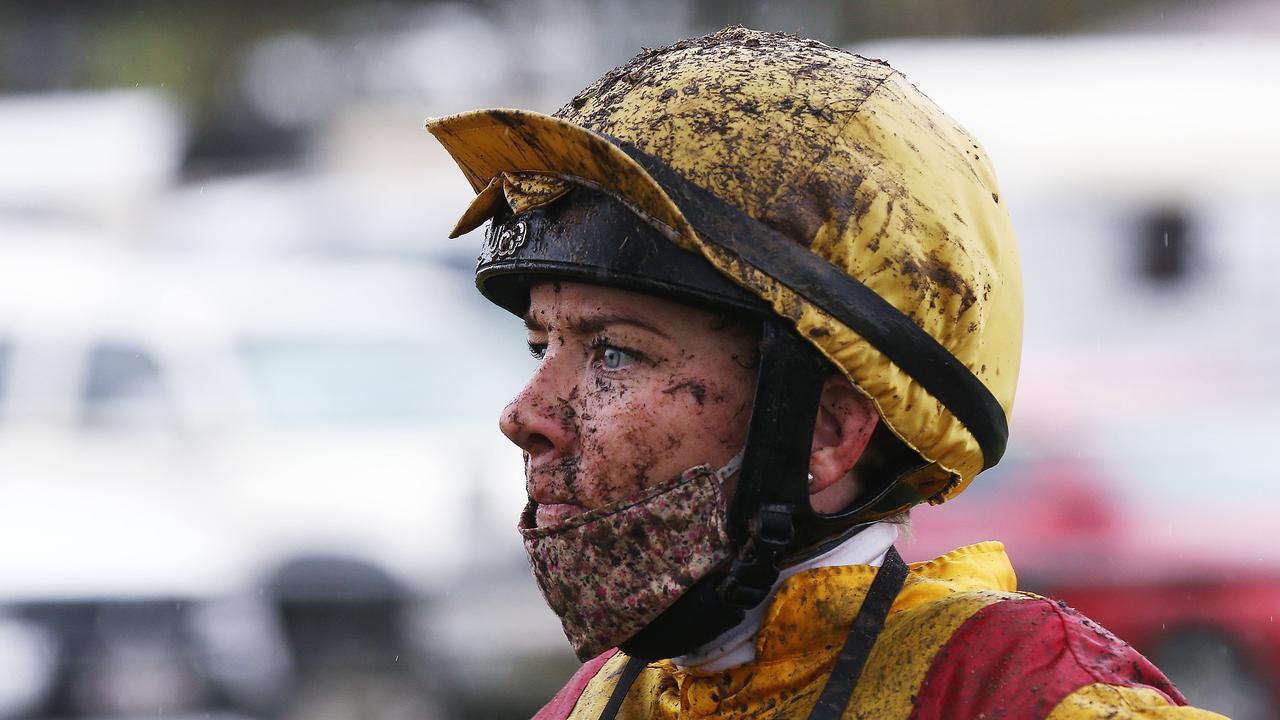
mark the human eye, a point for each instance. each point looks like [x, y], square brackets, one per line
[611, 357]
[537, 349]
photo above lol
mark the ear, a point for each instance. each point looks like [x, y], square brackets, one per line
[843, 428]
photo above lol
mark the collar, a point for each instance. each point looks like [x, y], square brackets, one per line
[737, 646]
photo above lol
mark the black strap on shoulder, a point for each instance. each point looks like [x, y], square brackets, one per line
[841, 296]
[630, 672]
[862, 637]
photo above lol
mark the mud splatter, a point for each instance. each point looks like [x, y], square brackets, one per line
[568, 469]
[930, 274]
[695, 388]
[566, 415]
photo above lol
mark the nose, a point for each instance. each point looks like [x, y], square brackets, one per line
[540, 419]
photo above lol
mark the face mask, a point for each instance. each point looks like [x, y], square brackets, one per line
[610, 571]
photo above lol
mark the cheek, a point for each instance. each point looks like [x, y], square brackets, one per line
[712, 416]
[641, 437]
[622, 443]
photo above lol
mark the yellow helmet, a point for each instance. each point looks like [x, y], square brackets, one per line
[822, 183]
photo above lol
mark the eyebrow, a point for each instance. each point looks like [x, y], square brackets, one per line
[595, 322]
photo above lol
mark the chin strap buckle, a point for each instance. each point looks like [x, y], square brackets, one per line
[755, 570]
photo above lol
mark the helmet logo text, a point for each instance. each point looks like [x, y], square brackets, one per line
[503, 241]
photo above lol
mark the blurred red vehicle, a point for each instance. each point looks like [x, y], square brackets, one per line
[1207, 618]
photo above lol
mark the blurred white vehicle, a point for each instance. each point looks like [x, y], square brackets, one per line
[177, 422]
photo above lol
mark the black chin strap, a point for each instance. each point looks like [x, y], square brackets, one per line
[773, 491]
[844, 676]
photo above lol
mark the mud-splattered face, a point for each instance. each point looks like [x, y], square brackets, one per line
[631, 391]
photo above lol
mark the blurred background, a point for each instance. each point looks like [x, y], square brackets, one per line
[249, 463]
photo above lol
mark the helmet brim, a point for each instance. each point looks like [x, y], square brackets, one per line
[485, 143]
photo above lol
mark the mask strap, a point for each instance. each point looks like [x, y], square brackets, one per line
[731, 467]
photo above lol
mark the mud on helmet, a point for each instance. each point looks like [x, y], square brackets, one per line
[804, 186]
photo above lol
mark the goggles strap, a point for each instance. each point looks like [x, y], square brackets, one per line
[843, 297]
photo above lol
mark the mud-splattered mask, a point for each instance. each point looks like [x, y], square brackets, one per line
[610, 571]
